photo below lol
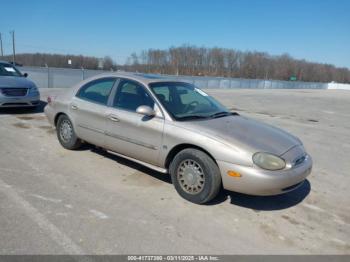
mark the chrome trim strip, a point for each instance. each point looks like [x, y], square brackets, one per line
[92, 129]
[139, 143]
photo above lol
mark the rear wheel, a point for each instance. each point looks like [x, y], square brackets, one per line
[66, 134]
[195, 175]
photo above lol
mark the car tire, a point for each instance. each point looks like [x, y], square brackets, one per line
[65, 133]
[195, 176]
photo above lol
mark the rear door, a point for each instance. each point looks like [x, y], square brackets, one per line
[88, 110]
[130, 133]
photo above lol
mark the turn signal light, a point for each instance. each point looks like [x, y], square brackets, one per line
[233, 173]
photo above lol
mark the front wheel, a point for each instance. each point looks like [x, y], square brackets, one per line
[195, 175]
[66, 134]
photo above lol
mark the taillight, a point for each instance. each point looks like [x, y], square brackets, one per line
[49, 100]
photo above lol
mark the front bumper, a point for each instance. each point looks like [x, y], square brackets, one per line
[256, 181]
[30, 100]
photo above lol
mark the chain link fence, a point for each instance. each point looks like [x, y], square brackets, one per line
[46, 77]
[50, 77]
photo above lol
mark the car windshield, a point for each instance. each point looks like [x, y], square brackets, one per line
[186, 102]
[9, 70]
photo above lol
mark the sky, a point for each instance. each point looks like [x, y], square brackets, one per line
[315, 30]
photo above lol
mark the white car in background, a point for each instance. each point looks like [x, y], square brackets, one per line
[15, 89]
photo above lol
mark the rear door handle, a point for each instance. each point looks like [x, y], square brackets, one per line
[113, 118]
[74, 107]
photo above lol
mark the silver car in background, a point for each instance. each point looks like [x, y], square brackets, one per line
[174, 127]
[15, 89]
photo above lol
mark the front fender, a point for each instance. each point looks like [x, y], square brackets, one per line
[219, 150]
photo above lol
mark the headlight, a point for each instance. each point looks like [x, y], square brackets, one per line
[34, 89]
[268, 161]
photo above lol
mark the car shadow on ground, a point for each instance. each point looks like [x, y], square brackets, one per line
[162, 177]
[257, 203]
[23, 110]
[265, 203]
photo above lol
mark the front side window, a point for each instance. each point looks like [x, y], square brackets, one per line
[185, 102]
[97, 91]
[130, 95]
[9, 70]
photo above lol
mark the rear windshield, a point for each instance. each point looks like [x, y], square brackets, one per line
[9, 70]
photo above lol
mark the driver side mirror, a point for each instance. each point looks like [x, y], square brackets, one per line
[25, 74]
[145, 110]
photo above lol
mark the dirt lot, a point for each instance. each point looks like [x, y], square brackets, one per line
[54, 201]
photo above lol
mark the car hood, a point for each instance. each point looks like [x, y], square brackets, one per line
[15, 82]
[246, 133]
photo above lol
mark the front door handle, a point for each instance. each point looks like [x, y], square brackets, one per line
[74, 107]
[113, 118]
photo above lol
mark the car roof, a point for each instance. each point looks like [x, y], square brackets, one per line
[144, 78]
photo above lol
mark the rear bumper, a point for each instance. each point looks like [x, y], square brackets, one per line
[30, 100]
[50, 114]
[255, 181]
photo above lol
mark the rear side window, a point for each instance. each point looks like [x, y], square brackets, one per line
[97, 91]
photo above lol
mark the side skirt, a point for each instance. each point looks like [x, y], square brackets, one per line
[156, 168]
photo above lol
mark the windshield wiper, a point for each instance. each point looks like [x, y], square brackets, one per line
[222, 114]
[216, 115]
[191, 117]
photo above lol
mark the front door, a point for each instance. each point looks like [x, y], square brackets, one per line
[129, 133]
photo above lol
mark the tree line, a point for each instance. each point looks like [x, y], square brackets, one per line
[58, 60]
[200, 61]
[222, 62]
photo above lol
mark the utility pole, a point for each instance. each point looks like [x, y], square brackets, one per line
[2, 51]
[13, 47]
